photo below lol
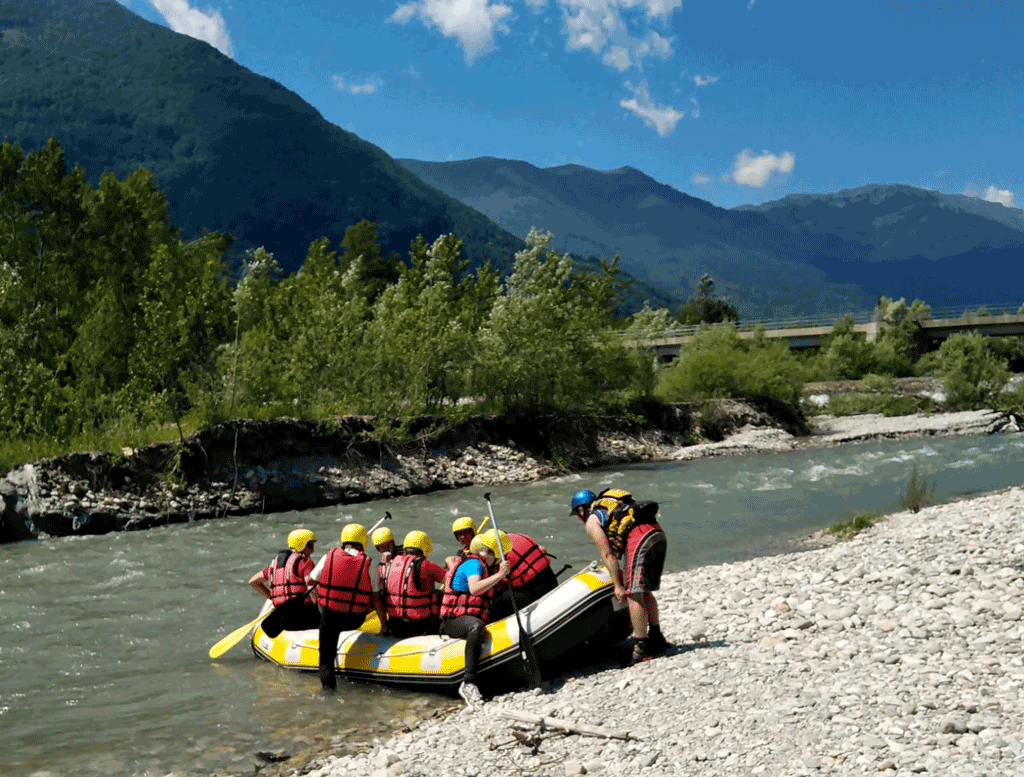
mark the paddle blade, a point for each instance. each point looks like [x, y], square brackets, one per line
[223, 646]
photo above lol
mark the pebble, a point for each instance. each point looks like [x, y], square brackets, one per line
[886, 659]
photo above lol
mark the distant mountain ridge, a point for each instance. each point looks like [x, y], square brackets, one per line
[802, 255]
[232, 150]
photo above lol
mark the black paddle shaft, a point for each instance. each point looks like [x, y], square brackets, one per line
[530, 663]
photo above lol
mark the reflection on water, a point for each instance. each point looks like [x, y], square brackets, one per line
[103, 640]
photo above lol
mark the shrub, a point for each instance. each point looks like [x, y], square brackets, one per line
[972, 373]
[844, 530]
[717, 364]
[918, 493]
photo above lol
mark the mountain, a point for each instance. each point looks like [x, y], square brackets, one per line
[801, 256]
[231, 150]
[663, 236]
[946, 249]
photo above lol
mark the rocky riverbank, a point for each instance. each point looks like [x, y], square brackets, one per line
[897, 652]
[247, 467]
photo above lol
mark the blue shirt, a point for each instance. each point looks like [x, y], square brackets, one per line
[468, 568]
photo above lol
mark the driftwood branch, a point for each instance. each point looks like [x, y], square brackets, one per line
[565, 725]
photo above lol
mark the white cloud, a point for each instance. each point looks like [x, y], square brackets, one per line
[367, 87]
[472, 22]
[205, 25]
[750, 4]
[755, 171]
[1002, 196]
[618, 58]
[403, 13]
[695, 113]
[599, 25]
[536, 5]
[700, 179]
[661, 118]
[704, 80]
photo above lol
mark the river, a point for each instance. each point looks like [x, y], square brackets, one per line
[103, 640]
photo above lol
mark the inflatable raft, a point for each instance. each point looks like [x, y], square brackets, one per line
[580, 610]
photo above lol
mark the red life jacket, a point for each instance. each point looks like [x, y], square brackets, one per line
[287, 579]
[525, 560]
[455, 603]
[407, 595]
[344, 584]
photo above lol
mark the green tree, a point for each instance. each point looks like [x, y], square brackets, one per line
[718, 364]
[704, 308]
[378, 271]
[548, 339]
[973, 375]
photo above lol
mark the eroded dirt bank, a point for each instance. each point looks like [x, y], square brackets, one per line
[245, 467]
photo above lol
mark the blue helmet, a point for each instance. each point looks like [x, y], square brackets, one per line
[583, 497]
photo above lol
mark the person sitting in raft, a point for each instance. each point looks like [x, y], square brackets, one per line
[283, 582]
[530, 576]
[346, 592]
[384, 541]
[464, 530]
[468, 588]
[412, 602]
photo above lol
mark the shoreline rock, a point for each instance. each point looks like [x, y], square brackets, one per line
[251, 467]
[897, 652]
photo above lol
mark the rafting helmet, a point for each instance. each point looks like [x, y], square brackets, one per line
[355, 533]
[382, 535]
[299, 539]
[476, 545]
[419, 540]
[489, 541]
[582, 497]
[461, 524]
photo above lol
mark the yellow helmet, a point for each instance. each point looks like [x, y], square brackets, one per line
[419, 540]
[461, 524]
[355, 532]
[382, 535]
[476, 545]
[300, 538]
[489, 541]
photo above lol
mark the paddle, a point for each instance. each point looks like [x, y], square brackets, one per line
[530, 663]
[224, 645]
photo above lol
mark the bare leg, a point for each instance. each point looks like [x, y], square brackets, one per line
[638, 614]
[651, 608]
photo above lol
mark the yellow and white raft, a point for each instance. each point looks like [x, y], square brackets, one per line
[580, 610]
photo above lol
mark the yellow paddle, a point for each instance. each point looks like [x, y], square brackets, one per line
[236, 636]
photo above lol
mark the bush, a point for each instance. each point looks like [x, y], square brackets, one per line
[717, 364]
[917, 493]
[845, 530]
[972, 373]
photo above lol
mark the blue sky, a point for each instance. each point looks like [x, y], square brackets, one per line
[732, 101]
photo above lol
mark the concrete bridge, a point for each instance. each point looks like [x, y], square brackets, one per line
[808, 333]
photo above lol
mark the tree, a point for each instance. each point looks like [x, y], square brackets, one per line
[703, 308]
[548, 338]
[377, 271]
[973, 375]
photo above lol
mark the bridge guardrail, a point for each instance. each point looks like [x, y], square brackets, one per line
[859, 317]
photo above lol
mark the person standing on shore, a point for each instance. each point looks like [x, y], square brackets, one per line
[619, 526]
[283, 582]
[346, 592]
[468, 589]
